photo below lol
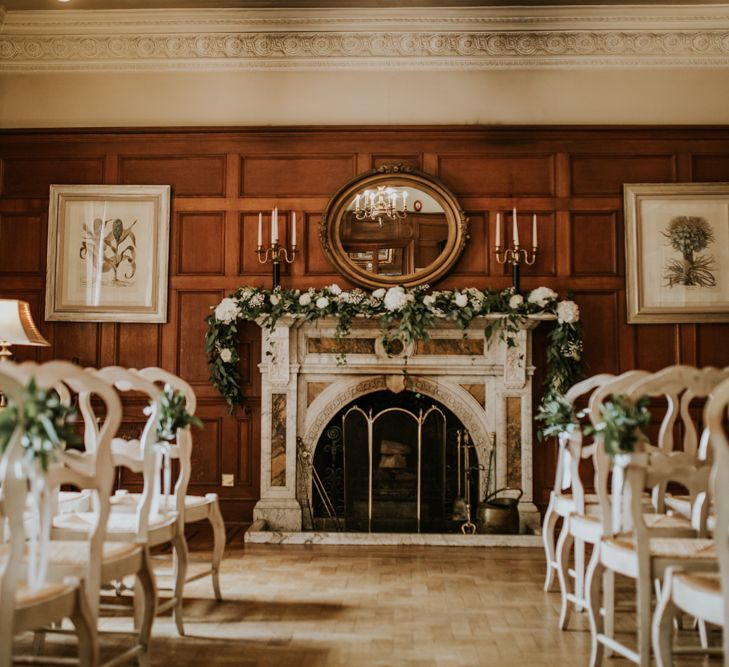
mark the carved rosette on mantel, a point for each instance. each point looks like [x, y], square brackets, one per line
[486, 384]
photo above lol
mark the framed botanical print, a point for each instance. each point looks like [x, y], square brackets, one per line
[677, 252]
[108, 248]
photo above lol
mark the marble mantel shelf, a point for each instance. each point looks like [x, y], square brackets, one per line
[485, 383]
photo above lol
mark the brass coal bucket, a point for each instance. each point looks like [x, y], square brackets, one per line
[499, 515]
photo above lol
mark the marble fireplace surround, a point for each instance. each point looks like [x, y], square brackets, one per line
[487, 385]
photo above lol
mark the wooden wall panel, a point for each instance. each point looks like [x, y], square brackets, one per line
[710, 168]
[571, 177]
[295, 175]
[21, 236]
[498, 174]
[201, 243]
[605, 174]
[189, 175]
[193, 308]
[594, 240]
[32, 176]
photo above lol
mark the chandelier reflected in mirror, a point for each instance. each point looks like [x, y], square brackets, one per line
[384, 203]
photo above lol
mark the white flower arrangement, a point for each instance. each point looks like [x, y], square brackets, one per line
[407, 314]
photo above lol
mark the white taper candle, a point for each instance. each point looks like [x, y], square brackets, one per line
[534, 230]
[260, 230]
[498, 230]
[515, 227]
[293, 229]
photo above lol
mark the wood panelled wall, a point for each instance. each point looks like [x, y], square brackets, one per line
[570, 177]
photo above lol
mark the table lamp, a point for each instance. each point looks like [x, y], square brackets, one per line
[16, 328]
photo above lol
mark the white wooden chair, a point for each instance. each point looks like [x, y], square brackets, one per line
[703, 595]
[29, 601]
[144, 519]
[632, 544]
[567, 495]
[191, 508]
[585, 525]
[90, 556]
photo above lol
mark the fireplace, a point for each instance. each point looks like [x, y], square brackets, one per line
[472, 386]
[393, 463]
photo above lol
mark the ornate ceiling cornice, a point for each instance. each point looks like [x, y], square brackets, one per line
[487, 38]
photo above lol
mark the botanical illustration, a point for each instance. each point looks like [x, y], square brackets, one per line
[111, 248]
[689, 235]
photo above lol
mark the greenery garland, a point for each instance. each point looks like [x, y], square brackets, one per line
[405, 314]
[47, 425]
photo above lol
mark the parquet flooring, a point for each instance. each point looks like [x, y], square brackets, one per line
[328, 606]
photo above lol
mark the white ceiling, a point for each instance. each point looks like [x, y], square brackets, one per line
[15, 5]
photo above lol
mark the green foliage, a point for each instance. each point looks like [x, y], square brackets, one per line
[46, 423]
[404, 315]
[173, 414]
[622, 423]
[558, 416]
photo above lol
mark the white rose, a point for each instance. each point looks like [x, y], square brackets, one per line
[378, 293]
[322, 302]
[568, 312]
[395, 298]
[516, 301]
[461, 300]
[334, 289]
[429, 300]
[227, 310]
[305, 299]
[226, 355]
[275, 299]
[541, 296]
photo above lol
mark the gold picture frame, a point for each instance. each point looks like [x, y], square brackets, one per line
[677, 252]
[108, 248]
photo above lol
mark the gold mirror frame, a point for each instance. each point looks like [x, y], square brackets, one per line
[393, 175]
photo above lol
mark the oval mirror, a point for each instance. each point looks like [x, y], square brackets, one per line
[393, 226]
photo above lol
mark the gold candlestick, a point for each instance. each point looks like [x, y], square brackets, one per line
[516, 256]
[276, 254]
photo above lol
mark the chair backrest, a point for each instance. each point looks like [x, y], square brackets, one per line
[137, 454]
[181, 448]
[602, 462]
[89, 469]
[680, 385]
[13, 491]
[716, 416]
[571, 449]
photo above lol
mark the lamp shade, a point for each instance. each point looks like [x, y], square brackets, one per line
[17, 326]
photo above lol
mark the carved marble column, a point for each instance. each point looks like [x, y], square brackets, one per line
[278, 505]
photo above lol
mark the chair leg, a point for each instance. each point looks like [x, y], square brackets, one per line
[579, 550]
[147, 600]
[662, 625]
[608, 605]
[550, 521]
[643, 613]
[564, 545]
[216, 521]
[85, 624]
[593, 588]
[179, 545]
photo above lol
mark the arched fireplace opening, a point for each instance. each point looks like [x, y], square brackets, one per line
[391, 462]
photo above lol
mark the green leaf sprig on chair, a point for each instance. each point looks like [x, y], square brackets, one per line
[173, 414]
[623, 423]
[47, 425]
[558, 416]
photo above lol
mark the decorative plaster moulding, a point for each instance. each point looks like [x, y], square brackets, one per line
[464, 39]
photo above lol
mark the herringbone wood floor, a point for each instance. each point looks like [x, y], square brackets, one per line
[371, 606]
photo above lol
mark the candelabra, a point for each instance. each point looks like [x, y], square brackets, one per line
[384, 202]
[276, 253]
[516, 255]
